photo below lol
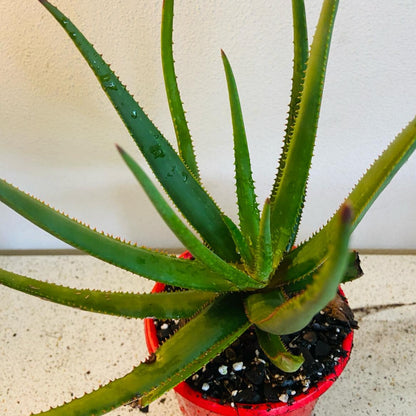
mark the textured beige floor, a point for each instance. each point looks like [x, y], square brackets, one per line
[50, 353]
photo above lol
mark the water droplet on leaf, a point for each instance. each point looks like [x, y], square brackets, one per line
[157, 152]
[171, 173]
[110, 85]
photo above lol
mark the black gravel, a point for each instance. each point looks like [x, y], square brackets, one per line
[243, 374]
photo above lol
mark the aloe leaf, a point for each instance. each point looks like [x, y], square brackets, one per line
[300, 58]
[277, 352]
[132, 305]
[295, 313]
[151, 264]
[241, 244]
[185, 352]
[379, 175]
[287, 202]
[183, 136]
[352, 272]
[314, 252]
[246, 198]
[180, 184]
[286, 274]
[264, 253]
[195, 246]
[300, 43]
[258, 305]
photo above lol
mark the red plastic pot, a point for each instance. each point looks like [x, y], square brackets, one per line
[192, 403]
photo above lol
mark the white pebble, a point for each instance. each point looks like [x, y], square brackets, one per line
[284, 398]
[234, 393]
[223, 370]
[205, 387]
[238, 366]
[164, 326]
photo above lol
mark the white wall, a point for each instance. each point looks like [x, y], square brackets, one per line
[58, 130]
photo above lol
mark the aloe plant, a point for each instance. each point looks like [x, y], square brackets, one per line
[242, 274]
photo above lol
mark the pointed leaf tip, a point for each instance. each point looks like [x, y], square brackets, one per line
[346, 212]
[120, 149]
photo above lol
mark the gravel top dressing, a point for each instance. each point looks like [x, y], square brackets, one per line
[243, 374]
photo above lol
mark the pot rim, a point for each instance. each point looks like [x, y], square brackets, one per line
[213, 404]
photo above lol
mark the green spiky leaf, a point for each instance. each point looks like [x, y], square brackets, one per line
[132, 305]
[185, 191]
[313, 253]
[287, 202]
[183, 136]
[301, 53]
[246, 198]
[352, 272]
[148, 263]
[277, 352]
[223, 321]
[241, 243]
[264, 253]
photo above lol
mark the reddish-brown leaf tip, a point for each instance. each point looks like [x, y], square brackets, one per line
[346, 212]
[120, 149]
